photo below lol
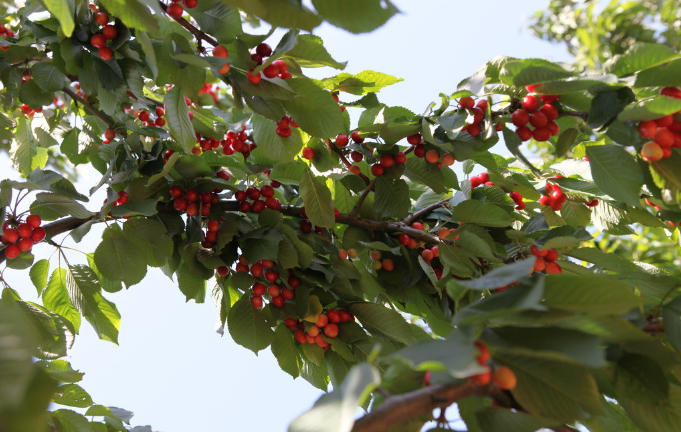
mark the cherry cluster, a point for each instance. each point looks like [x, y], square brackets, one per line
[277, 68]
[554, 198]
[263, 270]
[664, 131]
[209, 89]
[5, 32]
[546, 260]
[337, 99]
[478, 109]
[145, 117]
[432, 155]
[517, 198]
[100, 40]
[192, 202]
[326, 324]
[503, 376]
[175, 9]
[256, 195]
[284, 127]
[481, 179]
[408, 242]
[349, 254]
[538, 111]
[233, 142]
[377, 263]
[21, 235]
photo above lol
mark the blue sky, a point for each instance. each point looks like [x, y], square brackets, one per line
[171, 368]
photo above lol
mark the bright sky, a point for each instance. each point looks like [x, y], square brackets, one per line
[171, 368]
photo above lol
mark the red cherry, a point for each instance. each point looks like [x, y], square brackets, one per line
[192, 209]
[377, 170]
[98, 41]
[665, 121]
[258, 206]
[305, 226]
[278, 301]
[549, 111]
[414, 139]
[541, 134]
[342, 140]
[176, 191]
[356, 156]
[252, 193]
[387, 161]
[549, 99]
[222, 271]
[403, 239]
[516, 196]
[10, 235]
[271, 276]
[38, 234]
[190, 4]
[308, 153]
[283, 132]
[524, 133]
[401, 158]
[24, 230]
[356, 137]
[110, 32]
[474, 129]
[267, 191]
[530, 103]
[12, 251]
[466, 102]
[482, 104]
[417, 225]
[520, 117]
[420, 150]
[180, 204]
[263, 50]
[427, 255]
[34, 220]
[664, 137]
[254, 79]
[551, 255]
[271, 71]
[102, 19]
[105, 53]
[191, 195]
[256, 301]
[122, 197]
[671, 92]
[331, 330]
[281, 65]
[553, 268]
[25, 244]
[553, 127]
[538, 119]
[160, 122]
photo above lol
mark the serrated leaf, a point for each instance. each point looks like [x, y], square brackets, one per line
[70, 421]
[133, 14]
[23, 148]
[391, 197]
[382, 321]
[119, 259]
[286, 352]
[309, 51]
[501, 276]
[38, 274]
[193, 286]
[273, 149]
[51, 206]
[485, 214]
[72, 395]
[317, 199]
[356, 16]
[419, 170]
[314, 109]
[248, 326]
[616, 172]
[641, 56]
[593, 294]
[56, 298]
[177, 116]
[651, 109]
[61, 9]
[150, 236]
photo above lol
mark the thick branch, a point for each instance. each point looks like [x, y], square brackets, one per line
[193, 30]
[89, 106]
[654, 327]
[402, 408]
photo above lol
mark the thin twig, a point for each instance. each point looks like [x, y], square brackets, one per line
[424, 211]
[193, 30]
[333, 147]
[89, 106]
[362, 197]
[654, 327]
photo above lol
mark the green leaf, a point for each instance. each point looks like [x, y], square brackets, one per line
[56, 298]
[193, 286]
[335, 411]
[575, 84]
[266, 247]
[616, 172]
[150, 236]
[219, 20]
[38, 274]
[286, 352]
[119, 259]
[671, 314]
[608, 261]
[531, 71]
[317, 199]
[133, 14]
[177, 115]
[356, 16]
[248, 326]
[392, 197]
[61, 371]
[565, 141]
[640, 378]
[72, 395]
[365, 82]
[314, 109]
[279, 13]
[61, 9]
[552, 389]
[485, 214]
[51, 206]
[596, 295]
[656, 417]
[23, 148]
[494, 419]
[607, 105]
[501, 276]
[273, 149]
[382, 321]
[309, 51]
[70, 421]
[651, 109]
[641, 56]
[420, 171]
[48, 77]
[16, 349]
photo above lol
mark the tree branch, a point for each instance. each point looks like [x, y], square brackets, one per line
[89, 106]
[408, 220]
[401, 408]
[333, 147]
[654, 327]
[370, 186]
[193, 30]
